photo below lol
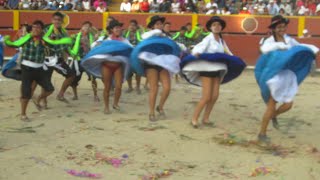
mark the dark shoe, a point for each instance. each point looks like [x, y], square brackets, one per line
[275, 123]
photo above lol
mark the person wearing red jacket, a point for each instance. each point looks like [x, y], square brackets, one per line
[144, 6]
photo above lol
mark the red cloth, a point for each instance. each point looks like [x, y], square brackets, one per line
[144, 6]
[300, 3]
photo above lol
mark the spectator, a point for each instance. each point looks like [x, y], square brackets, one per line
[96, 4]
[299, 3]
[12, 4]
[266, 11]
[213, 10]
[125, 6]
[79, 5]
[24, 5]
[273, 8]
[318, 10]
[303, 10]
[201, 7]
[250, 6]
[282, 12]
[3, 3]
[287, 6]
[312, 6]
[175, 6]
[86, 5]
[135, 6]
[167, 29]
[211, 4]
[44, 5]
[244, 11]
[191, 7]
[260, 7]
[232, 7]
[144, 6]
[154, 6]
[101, 8]
[305, 34]
[225, 11]
[165, 6]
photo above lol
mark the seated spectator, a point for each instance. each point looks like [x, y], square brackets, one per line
[191, 7]
[303, 10]
[244, 11]
[232, 7]
[79, 5]
[96, 4]
[154, 6]
[12, 4]
[250, 6]
[86, 5]
[125, 6]
[273, 8]
[312, 6]
[165, 6]
[3, 3]
[44, 5]
[135, 6]
[101, 8]
[287, 6]
[266, 11]
[299, 3]
[211, 4]
[201, 7]
[213, 11]
[175, 6]
[260, 7]
[282, 12]
[144, 6]
[24, 5]
[225, 11]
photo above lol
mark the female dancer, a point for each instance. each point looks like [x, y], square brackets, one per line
[283, 65]
[109, 61]
[210, 64]
[157, 56]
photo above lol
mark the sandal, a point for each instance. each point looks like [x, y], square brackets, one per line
[62, 99]
[152, 118]
[275, 123]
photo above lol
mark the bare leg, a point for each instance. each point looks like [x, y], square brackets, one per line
[66, 83]
[283, 108]
[138, 80]
[129, 85]
[153, 78]
[95, 89]
[106, 78]
[205, 99]
[166, 86]
[214, 98]
[118, 77]
[24, 104]
[75, 93]
[270, 111]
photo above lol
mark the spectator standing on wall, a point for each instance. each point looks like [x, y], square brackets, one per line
[273, 8]
[165, 6]
[175, 6]
[135, 6]
[287, 6]
[144, 6]
[154, 6]
[125, 6]
[260, 7]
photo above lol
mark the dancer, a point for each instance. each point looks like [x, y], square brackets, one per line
[55, 31]
[33, 65]
[283, 65]
[110, 61]
[133, 34]
[156, 56]
[81, 46]
[210, 64]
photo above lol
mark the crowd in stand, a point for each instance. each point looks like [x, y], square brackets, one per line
[217, 7]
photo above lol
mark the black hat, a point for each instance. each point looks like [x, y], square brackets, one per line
[154, 19]
[278, 19]
[215, 19]
[113, 24]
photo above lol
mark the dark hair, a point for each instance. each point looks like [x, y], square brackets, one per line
[134, 21]
[111, 17]
[87, 22]
[188, 24]
[38, 22]
[59, 14]
[183, 28]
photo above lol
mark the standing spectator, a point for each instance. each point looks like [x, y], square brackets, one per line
[287, 6]
[96, 4]
[144, 6]
[86, 5]
[135, 6]
[175, 6]
[101, 8]
[12, 4]
[125, 6]
[165, 6]
[211, 4]
[273, 8]
[260, 7]
[154, 6]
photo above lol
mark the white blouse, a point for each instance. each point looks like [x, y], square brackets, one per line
[210, 45]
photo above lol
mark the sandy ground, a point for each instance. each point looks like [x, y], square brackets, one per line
[79, 136]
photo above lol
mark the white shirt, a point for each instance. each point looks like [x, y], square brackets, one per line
[101, 10]
[86, 5]
[261, 8]
[287, 8]
[126, 7]
[211, 11]
[209, 5]
[303, 10]
[210, 45]
[175, 7]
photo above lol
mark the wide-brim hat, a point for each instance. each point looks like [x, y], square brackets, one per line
[215, 19]
[113, 24]
[154, 19]
[278, 19]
